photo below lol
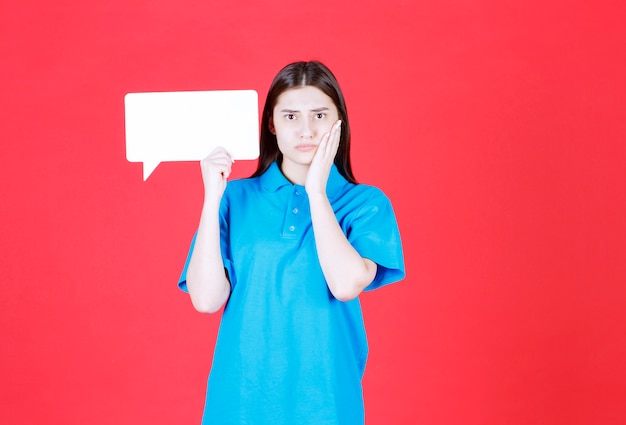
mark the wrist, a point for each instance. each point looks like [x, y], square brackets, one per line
[211, 201]
[317, 196]
[318, 201]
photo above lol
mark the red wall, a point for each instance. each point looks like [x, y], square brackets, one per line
[496, 127]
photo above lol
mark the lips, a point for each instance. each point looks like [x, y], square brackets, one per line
[305, 147]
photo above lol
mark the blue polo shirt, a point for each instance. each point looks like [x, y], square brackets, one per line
[287, 351]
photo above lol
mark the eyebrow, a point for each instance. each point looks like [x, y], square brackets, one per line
[293, 111]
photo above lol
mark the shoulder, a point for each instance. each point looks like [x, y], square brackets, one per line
[362, 194]
[241, 185]
[340, 190]
[357, 200]
[240, 191]
[367, 190]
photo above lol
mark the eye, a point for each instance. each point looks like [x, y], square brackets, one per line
[290, 117]
[320, 115]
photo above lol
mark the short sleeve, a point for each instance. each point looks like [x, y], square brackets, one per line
[224, 245]
[375, 235]
[182, 281]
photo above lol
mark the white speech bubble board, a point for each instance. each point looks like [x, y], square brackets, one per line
[187, 126]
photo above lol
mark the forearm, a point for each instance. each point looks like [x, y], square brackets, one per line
[346, 272]
[207, 283]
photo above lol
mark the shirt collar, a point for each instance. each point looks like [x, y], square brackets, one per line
[273, 179]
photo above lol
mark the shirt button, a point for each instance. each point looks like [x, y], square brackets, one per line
[297, 192]
[295, 211]
[292, 228]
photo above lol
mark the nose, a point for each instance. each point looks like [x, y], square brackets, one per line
[307, 131]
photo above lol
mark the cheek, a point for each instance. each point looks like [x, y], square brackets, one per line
[279, 132]
[281, 135]
[326, 125]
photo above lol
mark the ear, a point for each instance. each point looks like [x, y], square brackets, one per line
[271, 127]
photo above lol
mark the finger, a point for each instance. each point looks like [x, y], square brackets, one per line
[337, 130]
[321, 147]
[220, 152]
[221, 157]
[220, 161]
[336, 139]
[334, 130]
[217, 158]
[331, 144]
[337, 126]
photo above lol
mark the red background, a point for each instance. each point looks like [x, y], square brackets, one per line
[496, 127]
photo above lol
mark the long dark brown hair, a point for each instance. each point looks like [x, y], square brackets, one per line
[299, 74]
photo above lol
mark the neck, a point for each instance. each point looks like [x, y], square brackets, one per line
[295, 173]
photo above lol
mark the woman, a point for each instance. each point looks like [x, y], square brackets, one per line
[288, 251]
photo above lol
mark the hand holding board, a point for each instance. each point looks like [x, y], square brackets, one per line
[187, 126]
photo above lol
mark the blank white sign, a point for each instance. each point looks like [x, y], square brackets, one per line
[187, 126]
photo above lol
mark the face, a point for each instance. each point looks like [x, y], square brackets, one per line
[300, 118]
